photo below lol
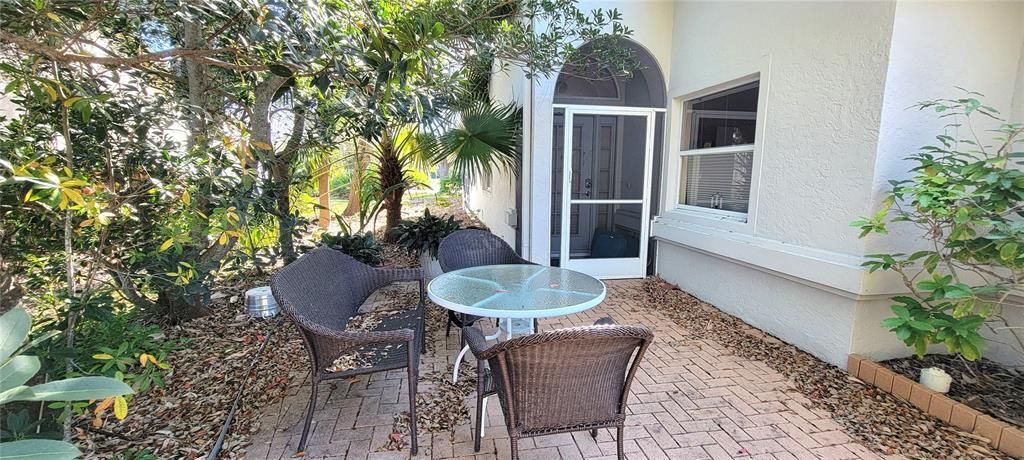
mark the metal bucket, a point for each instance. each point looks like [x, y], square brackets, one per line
[260, 302]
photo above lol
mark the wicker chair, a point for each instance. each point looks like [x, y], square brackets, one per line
[321, 292]
[473, 248]
[560, 381]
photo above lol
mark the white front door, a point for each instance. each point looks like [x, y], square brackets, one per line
[605, 214]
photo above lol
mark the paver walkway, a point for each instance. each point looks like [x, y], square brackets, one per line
[692, 399]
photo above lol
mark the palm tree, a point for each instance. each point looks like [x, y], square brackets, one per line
[483, 138]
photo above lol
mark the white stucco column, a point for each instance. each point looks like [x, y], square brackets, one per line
[537, 181]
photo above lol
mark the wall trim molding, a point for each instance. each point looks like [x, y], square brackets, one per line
[838, 273]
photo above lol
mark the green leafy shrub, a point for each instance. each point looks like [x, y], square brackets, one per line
[451, 185]
[423, 235]
[16, 369]
[361, 246]
[966, 198]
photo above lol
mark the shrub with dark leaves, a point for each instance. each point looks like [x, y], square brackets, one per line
[361, 246]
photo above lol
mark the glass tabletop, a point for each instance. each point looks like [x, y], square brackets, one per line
[516, 291]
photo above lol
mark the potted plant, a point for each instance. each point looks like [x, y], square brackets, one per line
[423, 236]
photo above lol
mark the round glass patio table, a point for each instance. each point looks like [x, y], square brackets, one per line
[515, 294]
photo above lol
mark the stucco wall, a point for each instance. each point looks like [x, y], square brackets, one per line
[790, 267]
[823, 92]
[814, 320]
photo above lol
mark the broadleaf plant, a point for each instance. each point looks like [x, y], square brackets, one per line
[966, 197]
[424, 234]
[17, 369]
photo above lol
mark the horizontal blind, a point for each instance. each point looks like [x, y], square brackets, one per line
[718, 181]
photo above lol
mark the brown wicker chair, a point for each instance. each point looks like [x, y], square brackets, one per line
[321, 292]
[560, 381]
[473, 248]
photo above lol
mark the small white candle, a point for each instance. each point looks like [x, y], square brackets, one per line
[936, 379]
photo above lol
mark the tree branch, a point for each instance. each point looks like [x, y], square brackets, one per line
[204, 56]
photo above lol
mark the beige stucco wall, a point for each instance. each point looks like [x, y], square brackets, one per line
[835, 130]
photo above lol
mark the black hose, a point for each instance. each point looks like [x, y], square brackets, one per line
[238, 397]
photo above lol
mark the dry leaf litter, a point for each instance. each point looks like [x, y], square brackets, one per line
[183, 419]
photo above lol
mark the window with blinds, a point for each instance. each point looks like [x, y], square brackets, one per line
[717, 163]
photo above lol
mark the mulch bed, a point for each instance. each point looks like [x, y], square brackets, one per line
[984, 385]
[183, 419]
[877, 419]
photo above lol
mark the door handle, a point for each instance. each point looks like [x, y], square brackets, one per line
[587, 185]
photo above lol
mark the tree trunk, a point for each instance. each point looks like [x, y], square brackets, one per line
[392, 186]
[280, 167]
[179, 306]
[356, 182]
[285, 222]
[324, 188]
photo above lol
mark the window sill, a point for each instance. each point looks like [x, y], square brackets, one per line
[684, 215]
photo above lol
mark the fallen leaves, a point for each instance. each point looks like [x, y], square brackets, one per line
[183, 419]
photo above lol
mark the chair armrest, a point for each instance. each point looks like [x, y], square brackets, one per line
[401, 274]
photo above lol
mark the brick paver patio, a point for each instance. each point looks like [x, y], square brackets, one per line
[692, 399]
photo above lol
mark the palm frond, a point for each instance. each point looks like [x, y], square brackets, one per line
[486, 138]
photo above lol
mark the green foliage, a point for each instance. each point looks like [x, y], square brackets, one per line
[361, 246]
[17, 369]
[965, 197]
[341, 179]
[137, 358]
[451, 185]
[423, 235]
[488, 137]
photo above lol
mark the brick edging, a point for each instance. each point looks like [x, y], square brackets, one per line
[1001, 435]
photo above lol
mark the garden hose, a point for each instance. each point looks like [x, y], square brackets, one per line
[241, 391]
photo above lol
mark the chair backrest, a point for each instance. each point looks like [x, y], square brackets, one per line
[323, 288]
[568, 378]
[473, 248]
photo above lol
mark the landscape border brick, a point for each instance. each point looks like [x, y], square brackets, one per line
[1001, 435]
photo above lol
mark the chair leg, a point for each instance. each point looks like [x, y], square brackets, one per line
[478, 436]
[423, 331]
[309, 416]
[618, 443]
[413, 379]
[593, 433]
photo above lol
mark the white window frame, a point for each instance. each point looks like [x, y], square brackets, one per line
[681, 126]
[733, 149]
